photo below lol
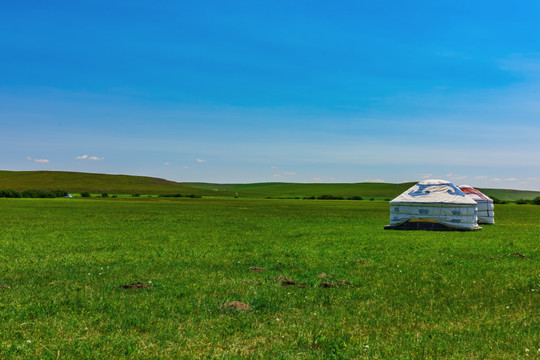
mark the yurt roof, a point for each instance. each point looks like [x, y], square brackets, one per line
[476, 194]
[434, 191]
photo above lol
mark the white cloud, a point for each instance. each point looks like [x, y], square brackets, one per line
[200, 161]
[482, 177]
[375, 180]
[91, 158]
[427, 176]
[166, 163]
[186, 167]
[497, 179]
[38, 161]
[289, 173]
[277, 175]
[511, 179]
[274, 167]
[318, 179]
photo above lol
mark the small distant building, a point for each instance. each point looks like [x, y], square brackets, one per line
[433, 205]
[486, 210]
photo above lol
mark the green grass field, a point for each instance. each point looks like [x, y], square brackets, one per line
[95, 183]
[74, 182]
[397, 294]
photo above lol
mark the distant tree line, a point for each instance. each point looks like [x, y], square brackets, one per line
[34, 194]
[332, 197]
[192, 196]
[535, 201]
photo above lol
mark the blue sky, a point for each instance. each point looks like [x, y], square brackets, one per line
[252, 91]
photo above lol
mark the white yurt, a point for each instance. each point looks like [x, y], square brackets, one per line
[486, 213]
[434, 205]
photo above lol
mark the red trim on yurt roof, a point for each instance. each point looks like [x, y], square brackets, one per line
[468, 190]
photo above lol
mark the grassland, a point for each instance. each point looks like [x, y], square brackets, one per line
[127, 184]
[95, 183]
[292, 190]
[472, 295]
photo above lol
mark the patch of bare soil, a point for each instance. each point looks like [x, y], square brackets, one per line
[291, 282]
[342, 282]
[137, 285]
[288, 282]
[326, 284]
[257, 268]
[519, 255]
[236, 305]
[362, 261]
[3, 286]
[324, 275]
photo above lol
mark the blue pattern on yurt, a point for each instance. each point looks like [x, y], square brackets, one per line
[421, 191]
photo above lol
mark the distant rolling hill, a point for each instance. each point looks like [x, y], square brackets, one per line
[291, 190]
[95, 183]
[127, 184]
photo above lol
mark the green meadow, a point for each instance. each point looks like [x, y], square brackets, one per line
[121, 185]
[151, 279]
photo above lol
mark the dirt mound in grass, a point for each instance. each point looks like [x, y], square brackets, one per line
[519, 255]
[257, 268]
[324, 275]
[288, 282]
[291, 282]
[326, 284]
[137, 285]
[236, 305]
[362, 261]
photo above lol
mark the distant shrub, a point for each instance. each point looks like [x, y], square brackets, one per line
[498, 201]
[32, 194]
[330, 197]
[59, 193]
[37, 194]
[536, 200]
[371, 199]
[521, 202]
[192, 196]
[355, 197]
[104, 195]
[9, 194]
[136, 195]
[310, 197]
[85, 194]
[114, 196]
[170, 195]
